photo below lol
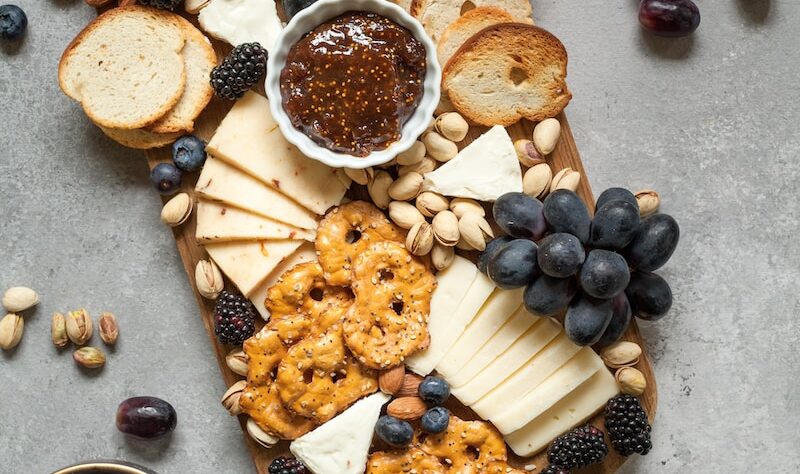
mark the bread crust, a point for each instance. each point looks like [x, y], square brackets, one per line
[435, 24]
[548, 45]
[487, 15]
[141, 139]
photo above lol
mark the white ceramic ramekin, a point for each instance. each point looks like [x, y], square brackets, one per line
[315, 15]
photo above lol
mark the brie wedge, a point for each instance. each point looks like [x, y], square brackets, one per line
[341, 446]
[217, 222]
[242, 21]
[485, 170]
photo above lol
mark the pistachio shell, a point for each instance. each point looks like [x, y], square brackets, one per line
[452, 126]
[445, 228]
[406, 187]
[527, 154]
[427, 165]
[439, 147]
[404, 214]
[621, 354]
[379, 189]
[413, 155]
[461, 206]
[11, 329]
[19, 298]
[442, 257]
[475, 230]
[237, 362]
[89, 357]
[58, 330]
[208, 279]
[177, 210]
[631, 381]
[649, 201]
[419, 240]
[566, 179]
[230, 400]
[430, 203]
[536, 181]
[360, 176]
[546, 135]
[79, 326]
[260, 436]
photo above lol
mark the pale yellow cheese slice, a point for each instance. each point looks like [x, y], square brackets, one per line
[218, 222]
[517, 413]
[569, 412]
[305, 253]
[249, 139]
[536, 370]
[453, 284]
[224, 183]
[500, 306]
[491, 375]
[247, 264]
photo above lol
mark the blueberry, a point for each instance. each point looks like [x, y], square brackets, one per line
[189, 153]
[620, 318]
[520, 215]
[12, 22]
[587, 319]
[560, 255]
[650, 296]
[435, 420]
[614, 226]
[166, 178]
[547, 295]
[293, 7]
[604, 274]
[654, 243]
[434, 390]
[616, 194]
[564, 211]
[394, 432]
[514, 264]
[491, 248]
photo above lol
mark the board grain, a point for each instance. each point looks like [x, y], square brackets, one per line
[565, 155]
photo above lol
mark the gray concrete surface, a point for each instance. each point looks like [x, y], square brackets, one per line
[711, 122]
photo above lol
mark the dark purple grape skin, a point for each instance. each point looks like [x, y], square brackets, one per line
[547, 296]
[520, 215]
[514, 264]
[587, 319]
[654, 243]
[616, 194]
[672, 18]
[614, 225]
[650, 296]
[491, 248]
[604, 274]
[620, 319]
[146, 417]
[560, 255]
[564, 211]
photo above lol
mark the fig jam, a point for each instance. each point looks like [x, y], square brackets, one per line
[351, 83]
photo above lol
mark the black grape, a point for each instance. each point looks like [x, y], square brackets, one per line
[520, 215]
[514, 264]
[616, 194]
[547, 295]
[620, 318]
[604, 274]
[560, 255]
[587, 319]
[564, 211]
[650, 296]
[654, 244]
[615, 225]
[491, 248]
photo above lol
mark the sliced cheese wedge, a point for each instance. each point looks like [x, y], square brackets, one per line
[485, 170]
[218, 222]
[569, 412]
[498, 309]
[247, 264]
[249, 139]
[223, 183]
[341, 445]
[492, 375]
[534, 372]
[453, 284]
[518, 413]
[305, 253]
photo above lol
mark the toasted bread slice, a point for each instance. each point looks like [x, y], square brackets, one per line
[436, 15]
[199, 58]
[125, 67]
[404, 4]
[140, 138]
[507, 72]
[471, 22]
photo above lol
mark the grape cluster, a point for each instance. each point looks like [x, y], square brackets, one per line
[599, 270]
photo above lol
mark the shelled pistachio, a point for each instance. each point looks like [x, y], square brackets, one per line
[79, 326]
[649, 202]
[58, 330]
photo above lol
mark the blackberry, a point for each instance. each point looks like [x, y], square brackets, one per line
[162, 4]
[233, 318]
[578, 448]
[551, 469]
[239, 71]
[627, 426]
[286, 465]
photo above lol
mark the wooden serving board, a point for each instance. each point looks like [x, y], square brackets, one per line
[565, 155]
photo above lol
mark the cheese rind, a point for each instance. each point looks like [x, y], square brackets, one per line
[218, 222]
[247, 264]
[249, 139]
[571, 411]
[342, 444]
[567, 378]
[499, 308]
[305, 253]
[453, 284]
[222, 182]
[242, 21]
[484, 170]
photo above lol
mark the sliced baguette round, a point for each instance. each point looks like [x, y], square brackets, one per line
[458, 32]
[507, 72]
[140, 138]
[125, 67]
[199, 58]
[436, 15]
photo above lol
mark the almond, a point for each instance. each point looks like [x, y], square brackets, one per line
[410, 386]
[391, 380]
[407, 408]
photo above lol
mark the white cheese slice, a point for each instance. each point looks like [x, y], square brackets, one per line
[221, 182]
[242, 21]
[503, 366]
[485, 170]
[305, 253]
[535, 370]
[217, 222]
[341, 445]
[453, 284]
[500, 306]
[518, 413]
[247, 264]
[569, 412]
[249, 139]
[194, 6]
